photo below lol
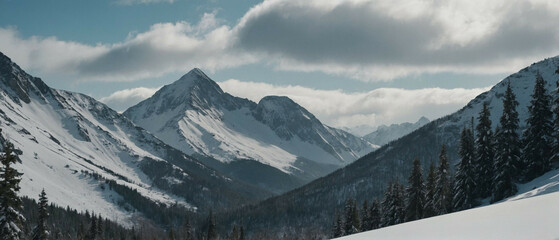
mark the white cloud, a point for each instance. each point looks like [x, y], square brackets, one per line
[164, 48]
[123, 99]
[369, 40]
[379, 106]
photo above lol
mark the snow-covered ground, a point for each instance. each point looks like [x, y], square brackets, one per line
[531, 214]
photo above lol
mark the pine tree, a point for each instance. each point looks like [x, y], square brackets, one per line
[11, 219]
[92, 233]
[375, 215]
[212, 232]
[365, 217]
[555, 147]
[485, 153]
[507, 154]
[393, 205]
[99, 227]
[234, 233]
[443, 188]
[351, 224]
[188, 234]
[430, 188]
[415, 193]
[537, 138]
[465, 185]
[399, 203]
[387, 213]
[41, 231]
[171, 234]
[337, 230]
[242, 233]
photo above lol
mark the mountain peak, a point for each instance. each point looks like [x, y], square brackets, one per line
[16, 82]
[194, 77]
[422, 120]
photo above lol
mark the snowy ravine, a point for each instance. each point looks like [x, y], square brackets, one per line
[63, 137]
[531, 214]
[194, 115]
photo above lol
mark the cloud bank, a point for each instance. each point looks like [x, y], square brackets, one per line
[123, 99]
[369, 40]
[379, 106]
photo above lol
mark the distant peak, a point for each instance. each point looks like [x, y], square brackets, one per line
[197, 72]
[195, 77]
[423, 120]
[277, 99]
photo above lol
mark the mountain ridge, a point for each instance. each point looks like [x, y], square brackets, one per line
[194, 115]
[70, 144]
[366, 178]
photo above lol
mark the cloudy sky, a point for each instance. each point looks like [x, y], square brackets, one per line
[349, 62]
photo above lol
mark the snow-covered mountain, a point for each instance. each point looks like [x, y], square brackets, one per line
[359, 130]
[385, 134]
[313, 205]
[530, 214]
[67, 141]
[194, 115]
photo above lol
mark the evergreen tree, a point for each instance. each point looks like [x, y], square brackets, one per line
[399, 203]
[375, 215]
[92, 233]
[41, 231]
[234, 233]
[242, 233]
[171, 234]
[99, 227]
[430, 187]
[351, 224]
[465, 185]
[212, 232]
[443, 188]
[415, 193]
[393, 205]
[485, 153]
[337, 230]
[365, 217]
[538, 136]
[507, 154]
[555, 146]
[188, 234]
[387, 213]
[11, 219]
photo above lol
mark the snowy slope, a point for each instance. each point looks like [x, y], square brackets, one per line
[531, 214]
[385, 134]
[194, 115]
[63, 135]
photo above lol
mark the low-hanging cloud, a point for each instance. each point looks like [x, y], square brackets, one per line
[123, 99]
[369, 40]
[379, 106]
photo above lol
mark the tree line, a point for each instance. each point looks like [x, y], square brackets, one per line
[491, 164]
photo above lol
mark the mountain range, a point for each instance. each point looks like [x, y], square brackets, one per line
[71, 145]
[385, 134]
[275, 136]
[190, 145]
[313, 206]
